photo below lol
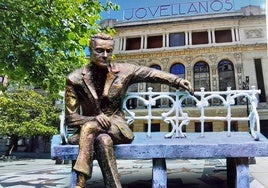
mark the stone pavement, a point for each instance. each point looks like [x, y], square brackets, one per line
[43, 173]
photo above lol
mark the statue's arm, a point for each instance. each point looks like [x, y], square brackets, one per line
[72, 108]
[147, 74]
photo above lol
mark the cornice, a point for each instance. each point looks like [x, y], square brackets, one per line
[189, 51]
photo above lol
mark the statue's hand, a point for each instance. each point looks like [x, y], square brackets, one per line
[185, 84]
[104, 121]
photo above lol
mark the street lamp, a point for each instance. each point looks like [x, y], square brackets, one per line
[252, 160]
[246, 83]
[246, 86]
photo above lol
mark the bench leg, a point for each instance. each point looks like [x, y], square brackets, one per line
[238, 172]
[159, 173]
[73, 176]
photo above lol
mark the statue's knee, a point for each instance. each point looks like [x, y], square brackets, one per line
[90, 126]
[104, 139]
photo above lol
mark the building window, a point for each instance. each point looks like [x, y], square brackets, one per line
[226, 75]
[260, 79]
[208, 127]
[133, 43]
[234, 126]
[178, 69]
[264, 127]
[176, 39]
[156, 67]
[155, 41]
[132, 103]
[200, 37]
[222, 36]
[201, 76]
[155, 127]
[156, 86]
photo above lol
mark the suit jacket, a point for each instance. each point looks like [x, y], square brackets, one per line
[82, 103]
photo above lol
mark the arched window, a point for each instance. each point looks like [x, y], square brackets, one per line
[132, 103]
[179, 70]
[156, 67]
[201, 76]
[155, 86]
[226, 75]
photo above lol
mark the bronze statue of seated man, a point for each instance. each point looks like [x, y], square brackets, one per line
[93, 101]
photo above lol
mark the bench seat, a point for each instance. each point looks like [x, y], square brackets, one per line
[236, 148]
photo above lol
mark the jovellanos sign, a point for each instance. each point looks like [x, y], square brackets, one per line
[195, 7]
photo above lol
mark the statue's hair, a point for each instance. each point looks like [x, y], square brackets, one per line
[102, 36]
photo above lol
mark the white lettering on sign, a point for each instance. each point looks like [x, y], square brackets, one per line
[178, 9]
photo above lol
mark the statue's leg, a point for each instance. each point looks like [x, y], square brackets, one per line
[84, 162]
[107, 161]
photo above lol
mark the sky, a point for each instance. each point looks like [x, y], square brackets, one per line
[134, 10]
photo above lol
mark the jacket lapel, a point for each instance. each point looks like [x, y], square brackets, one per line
[86, 75]
[111, 76]
[109, 80]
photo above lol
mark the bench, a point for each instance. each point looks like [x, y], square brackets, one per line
[236, 147]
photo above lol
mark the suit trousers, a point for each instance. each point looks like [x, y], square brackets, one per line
[95, 142]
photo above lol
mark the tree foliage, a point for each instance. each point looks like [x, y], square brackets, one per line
[43, 40]
[27, 113]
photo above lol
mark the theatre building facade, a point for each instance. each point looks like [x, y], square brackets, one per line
[213, 51]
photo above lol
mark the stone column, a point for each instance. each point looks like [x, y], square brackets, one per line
[190, 38]
[142, 42]
[237, 34]
[186, 38]
[124, 43]
[145, 41]
[213, 36]
[233, 35]
[167, 40]
[209, 36]
[163, 40]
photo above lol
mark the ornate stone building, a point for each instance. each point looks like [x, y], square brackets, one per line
[212, 51]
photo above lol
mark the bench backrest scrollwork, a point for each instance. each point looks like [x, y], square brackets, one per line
[176, 115]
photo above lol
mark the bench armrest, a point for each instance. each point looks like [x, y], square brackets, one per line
[63, 131]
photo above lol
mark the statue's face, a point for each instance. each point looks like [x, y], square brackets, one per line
[101, 52]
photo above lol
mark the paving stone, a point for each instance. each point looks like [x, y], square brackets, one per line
[44, 173]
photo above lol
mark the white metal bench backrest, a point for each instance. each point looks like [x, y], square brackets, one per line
[177, 117]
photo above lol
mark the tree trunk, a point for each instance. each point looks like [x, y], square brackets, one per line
[13, 145]
[33, 143]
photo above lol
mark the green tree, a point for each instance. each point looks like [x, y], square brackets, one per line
[43, 40]
[26, 113]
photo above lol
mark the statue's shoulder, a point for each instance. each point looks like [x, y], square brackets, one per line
[76, 75]
[124, 67]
